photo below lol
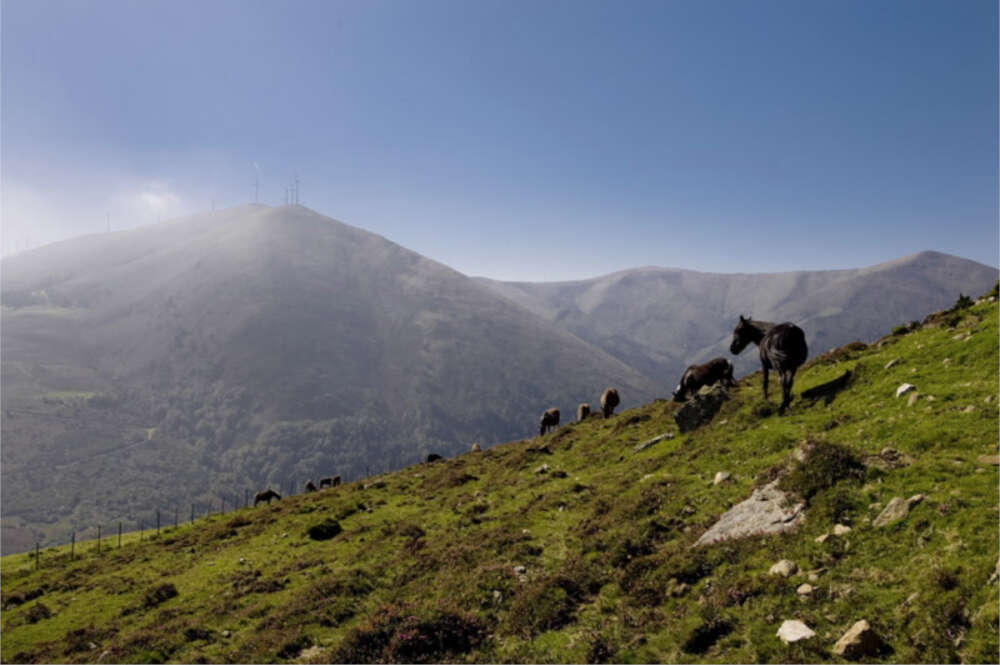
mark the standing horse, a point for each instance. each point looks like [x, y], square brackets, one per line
[782, 348]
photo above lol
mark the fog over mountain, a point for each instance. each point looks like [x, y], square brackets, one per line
[659, 320]
[198, 359]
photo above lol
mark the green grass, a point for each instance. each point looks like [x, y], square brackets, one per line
[427, 565]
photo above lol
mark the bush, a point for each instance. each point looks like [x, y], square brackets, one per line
[825, 465]
[38, 612]
[547, 604]
[325, 530]
[963, 302]
[401, 634]
[160, 594]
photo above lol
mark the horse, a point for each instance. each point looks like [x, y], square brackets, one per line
[265, 495]
[433, 457]
[609, 400]
[329, 481]
[782, 348]
[583, 411]
[310, 487]
[696, 376]
[550, 420]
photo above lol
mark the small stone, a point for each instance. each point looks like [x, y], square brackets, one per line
[814, 575]
[911, 598]
[785, 568]
[958, 337]
[520, 570]
[841, 529]
[543, 469]
[988, 399]
[969, 409]
[822, 539]
[893, 362]
[946, 361]
[497, 596]
[858, 642]
[904, 388]
[242, 560]
[676, 589]
[721, 477]
[989, 459]
[793, 630]
[896, 510]
[996, 573]
[913, 399]
[930, 398]
[227, 633]
[805, 589]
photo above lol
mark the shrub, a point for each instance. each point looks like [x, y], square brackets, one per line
[824, 466]
[293, 648]
[401, 634]
[325, 530]
[159, 595]
[963, 302]
[547, 604]
[38, 612]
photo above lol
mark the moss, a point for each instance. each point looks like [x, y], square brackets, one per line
[825, 465]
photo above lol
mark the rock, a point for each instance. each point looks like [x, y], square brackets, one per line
[309, 654]
[476, 448]
[822, 539]
[768, 510]
[904, 388]
[989, 459]
[914, 396]
[520, 570]
[543, 469]
[721, 477]
[793, 630]
[700, 409]
[841, 529]
[988, 399]
[969, 409]
[946, 361]
[785, 568]
[893, 363]
[996, 573]
[227, 633]
[652, 442]
[858, 642]
[814, 575]
[805, 589]
[897, 509]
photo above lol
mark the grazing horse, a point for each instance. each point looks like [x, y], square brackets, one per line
[310, 487]
[329, 481]
[609, 400]
[550, 420]
[782, 348]
[265, 495]
[433, 457]
[583, 411]
[696, 376]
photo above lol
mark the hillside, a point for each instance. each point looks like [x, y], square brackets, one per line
[660, 320]
[194, 360]
[576, 547]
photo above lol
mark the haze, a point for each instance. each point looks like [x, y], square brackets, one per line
[518, 140]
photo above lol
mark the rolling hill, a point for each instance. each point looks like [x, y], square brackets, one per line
[660, 320]
[581, 546]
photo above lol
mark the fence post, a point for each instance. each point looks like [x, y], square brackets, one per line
[157, 521]
[72, 547]
[98, 538]
[119, 535]
[192, 513]
[175, 517]
[36, 555]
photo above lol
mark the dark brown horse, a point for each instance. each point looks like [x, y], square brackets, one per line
[696, 376]
[782, 348]
[266, 495]
[609, 400]
[550, 420]
[310, 487]
[329, 482]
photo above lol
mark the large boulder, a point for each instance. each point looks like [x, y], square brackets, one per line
[700, 409]
[768, 510]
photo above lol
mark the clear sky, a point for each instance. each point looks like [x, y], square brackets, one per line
[518, 139]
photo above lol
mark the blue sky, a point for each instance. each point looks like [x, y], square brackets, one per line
[518, 140]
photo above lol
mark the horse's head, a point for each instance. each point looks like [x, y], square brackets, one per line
[680, 394]
[743, 334]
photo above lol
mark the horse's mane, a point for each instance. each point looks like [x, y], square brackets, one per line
[762, 326]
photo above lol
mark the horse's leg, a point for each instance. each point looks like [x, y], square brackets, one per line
[787, 379]
[766, 369]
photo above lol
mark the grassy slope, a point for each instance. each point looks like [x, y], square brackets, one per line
[425, 565]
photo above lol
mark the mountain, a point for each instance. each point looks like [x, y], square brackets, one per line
[659, 320]
[580, 546]
[195, 360]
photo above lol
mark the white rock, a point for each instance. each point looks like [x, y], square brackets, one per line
[904, 388]
[858, 642]
[823, 538]
[721, 477]
[785, 568]
[914, 396]
[893, 362]
[841, 529]
[793, 630]
[805, 589]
